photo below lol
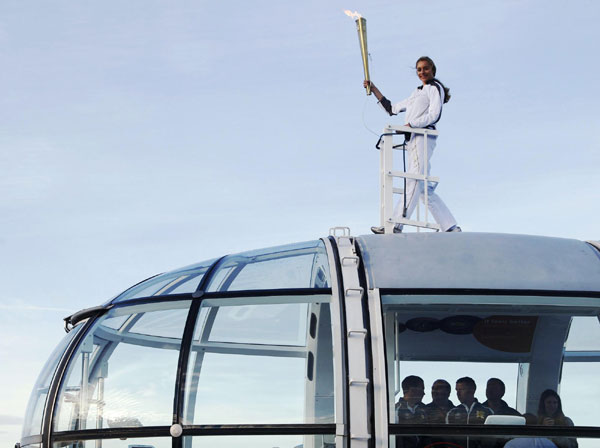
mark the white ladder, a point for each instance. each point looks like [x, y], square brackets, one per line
[387, 175]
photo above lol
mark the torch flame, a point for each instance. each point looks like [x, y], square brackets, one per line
[355, 15]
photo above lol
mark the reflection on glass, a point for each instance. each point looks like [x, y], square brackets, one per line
[35, 407]
[120, 377]
[147, 442]
[301, 265]
[255, 362]
[270, 441]
[181, 281]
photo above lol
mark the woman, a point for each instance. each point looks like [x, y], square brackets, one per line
[423, 110]
[550, 413]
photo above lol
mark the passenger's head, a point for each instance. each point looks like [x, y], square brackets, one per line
[413, 389]
[550, 404]
[495, 389]
[465, 390]
[440, 391]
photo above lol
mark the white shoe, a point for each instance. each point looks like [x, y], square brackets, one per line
[381, 230]
[454, 228]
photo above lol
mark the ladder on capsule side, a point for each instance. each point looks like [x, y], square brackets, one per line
[387, 175]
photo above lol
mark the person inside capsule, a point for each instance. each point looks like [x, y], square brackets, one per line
[550, 413]
[469, 411]
[435, 412]
[411, 410]
[494, 392]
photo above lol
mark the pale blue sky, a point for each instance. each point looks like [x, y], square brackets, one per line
[141, 136]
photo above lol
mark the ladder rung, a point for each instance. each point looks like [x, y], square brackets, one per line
[361, 382]
[353, 259]
[349, 291]
[413, 176]
[410, 222]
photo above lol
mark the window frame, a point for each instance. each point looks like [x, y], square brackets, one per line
[424, 296]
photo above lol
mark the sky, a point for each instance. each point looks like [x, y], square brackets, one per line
[137, 137]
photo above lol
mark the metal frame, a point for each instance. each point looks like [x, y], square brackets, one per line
[338, 314]
[359, 379]
[387, 175]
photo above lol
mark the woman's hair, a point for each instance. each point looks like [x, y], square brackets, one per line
[427, 59]
[542, 405]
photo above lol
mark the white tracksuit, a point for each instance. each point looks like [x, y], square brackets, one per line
[423, 109]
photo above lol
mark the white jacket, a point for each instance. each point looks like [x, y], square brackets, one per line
[423, 107]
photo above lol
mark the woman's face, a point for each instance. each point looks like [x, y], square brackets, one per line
[424, 71]
[551, 405]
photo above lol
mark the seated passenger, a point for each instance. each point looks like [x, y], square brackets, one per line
[469, 411]
[550, 413]
[410, 410]
[435, 412]
[494, 392]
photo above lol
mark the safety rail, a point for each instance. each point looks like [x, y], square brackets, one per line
[387, 175]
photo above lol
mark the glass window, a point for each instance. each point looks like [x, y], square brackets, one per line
[579, 392]
[149, 442]
[584, 334]
[123, 373]
[261, 361]
[181, 281]
[506, 352]
[302, 265]
[268, 441]
[35, 407]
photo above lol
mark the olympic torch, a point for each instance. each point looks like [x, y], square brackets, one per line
[361, 27]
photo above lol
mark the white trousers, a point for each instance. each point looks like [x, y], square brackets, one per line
[414, 189]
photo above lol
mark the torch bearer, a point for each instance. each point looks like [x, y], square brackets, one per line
[361, 26]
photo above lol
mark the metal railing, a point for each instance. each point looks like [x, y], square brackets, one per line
[387, 173]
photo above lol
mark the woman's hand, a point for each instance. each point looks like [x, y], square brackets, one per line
[374, 89]
[548, 421]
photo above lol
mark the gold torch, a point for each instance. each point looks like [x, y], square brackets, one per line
[361, 27]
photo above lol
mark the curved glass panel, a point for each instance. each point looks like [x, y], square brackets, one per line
[180, 281]
[132, 442]
[301, 265]
[123, 372]
[266, 441]
[261, 360]
[472, 359]
[37, 400]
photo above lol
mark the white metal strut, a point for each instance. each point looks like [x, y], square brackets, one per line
[387, 175]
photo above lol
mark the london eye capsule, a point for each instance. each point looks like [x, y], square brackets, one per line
[308, 345]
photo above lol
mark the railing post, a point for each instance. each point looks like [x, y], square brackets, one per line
[387, 180]
[425, 160]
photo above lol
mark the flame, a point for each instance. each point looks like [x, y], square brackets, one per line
[355, 15]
